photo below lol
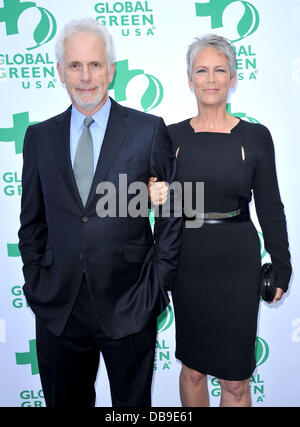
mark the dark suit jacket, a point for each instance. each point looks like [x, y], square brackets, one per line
[128, 271]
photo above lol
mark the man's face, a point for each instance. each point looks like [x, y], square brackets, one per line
[86, 72]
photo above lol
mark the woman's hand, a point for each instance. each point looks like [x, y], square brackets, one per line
[278, 295]
[158, 191]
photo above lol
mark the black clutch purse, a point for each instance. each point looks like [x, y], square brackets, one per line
[267, 282]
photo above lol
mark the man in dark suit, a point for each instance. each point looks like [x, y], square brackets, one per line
[96, 284]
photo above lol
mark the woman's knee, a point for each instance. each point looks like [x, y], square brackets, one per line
[236, 389]
[192, 375]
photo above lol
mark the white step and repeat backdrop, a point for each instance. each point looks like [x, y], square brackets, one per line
[151, 41]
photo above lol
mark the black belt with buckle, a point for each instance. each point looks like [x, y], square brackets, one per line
[238, 215]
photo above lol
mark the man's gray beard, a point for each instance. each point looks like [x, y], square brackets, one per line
[88, 105]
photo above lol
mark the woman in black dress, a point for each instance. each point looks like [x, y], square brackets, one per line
[216, 294]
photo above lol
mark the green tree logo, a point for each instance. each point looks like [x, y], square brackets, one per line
[13, 9]
[261, 351]
[29, 358]
[165, 319]
[17, 132]
[153, 94]
[247, 25]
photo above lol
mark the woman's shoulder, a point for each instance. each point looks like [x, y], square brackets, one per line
[178, 133]
[179, 126]
[257, 136]
[254, 127]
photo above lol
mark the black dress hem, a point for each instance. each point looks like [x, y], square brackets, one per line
[209, 372]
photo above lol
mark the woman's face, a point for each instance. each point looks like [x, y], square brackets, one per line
[211, 77]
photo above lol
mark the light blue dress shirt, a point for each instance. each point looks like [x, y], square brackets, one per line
[97, 129]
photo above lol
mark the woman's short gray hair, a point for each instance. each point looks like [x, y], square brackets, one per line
[216, 42]
[88, 25]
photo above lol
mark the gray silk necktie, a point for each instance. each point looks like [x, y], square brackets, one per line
[84, 161]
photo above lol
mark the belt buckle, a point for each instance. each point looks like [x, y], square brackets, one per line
[221, 215]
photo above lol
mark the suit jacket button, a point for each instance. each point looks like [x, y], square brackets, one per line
[84, 219]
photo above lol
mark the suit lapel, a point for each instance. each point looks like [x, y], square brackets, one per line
[61, 144]
[114, 136]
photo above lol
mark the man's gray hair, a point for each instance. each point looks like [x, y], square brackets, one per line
[216, 42]
[88, 25]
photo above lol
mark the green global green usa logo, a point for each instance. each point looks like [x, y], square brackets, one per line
[151, 97]
[165, 319]
[12, 185]
[16, 132]
[13, 9]
[162, 359]
[132, 18]
[30, 70]
[32, 398]
[18, 298]
[261, 351]
[29, 358]
[215, 9]
[240, 115]
[13, 250]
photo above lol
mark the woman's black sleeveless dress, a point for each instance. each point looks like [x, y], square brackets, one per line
[216, 293]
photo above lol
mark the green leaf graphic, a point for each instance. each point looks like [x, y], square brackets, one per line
[246, 23]
[165, 319]
[153, 93]
[262, 351]
[43, 32]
